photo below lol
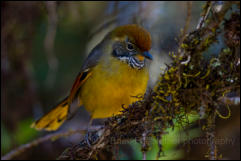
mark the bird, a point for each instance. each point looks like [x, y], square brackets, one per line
[112, 76]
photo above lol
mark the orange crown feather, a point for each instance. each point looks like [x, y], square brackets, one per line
[142, 38]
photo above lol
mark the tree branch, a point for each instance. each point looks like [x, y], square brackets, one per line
[36, 142]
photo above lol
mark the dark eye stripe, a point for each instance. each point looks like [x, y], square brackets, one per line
[120, 53]
[114, 52]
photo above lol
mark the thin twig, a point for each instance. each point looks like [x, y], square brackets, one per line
[211, 136]
[187, 23]
[144, 145]
[183, 34]
[204, 17]
[12, 154]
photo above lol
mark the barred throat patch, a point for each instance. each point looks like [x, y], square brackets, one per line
[132, 62]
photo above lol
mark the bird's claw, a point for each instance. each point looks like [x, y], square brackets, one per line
[87, 139]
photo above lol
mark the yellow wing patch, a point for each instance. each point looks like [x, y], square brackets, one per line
[54, 118]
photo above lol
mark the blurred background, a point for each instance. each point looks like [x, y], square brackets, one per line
[43, 45]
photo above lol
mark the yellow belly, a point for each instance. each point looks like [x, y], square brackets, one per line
[112, 86]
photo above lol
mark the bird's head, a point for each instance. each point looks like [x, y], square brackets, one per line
[131, 44]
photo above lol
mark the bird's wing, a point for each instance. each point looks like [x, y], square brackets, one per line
[86, 71]
[65, 109]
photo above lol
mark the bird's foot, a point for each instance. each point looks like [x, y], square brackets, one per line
[86, 138]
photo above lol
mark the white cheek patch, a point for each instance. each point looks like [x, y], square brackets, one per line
[124, 58]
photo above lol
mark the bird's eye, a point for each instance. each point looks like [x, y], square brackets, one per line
[130, 46]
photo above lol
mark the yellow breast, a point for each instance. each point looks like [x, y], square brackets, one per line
[112, 86]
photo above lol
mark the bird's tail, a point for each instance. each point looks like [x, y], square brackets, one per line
[54, 118]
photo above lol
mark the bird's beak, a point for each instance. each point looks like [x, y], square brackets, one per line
[147, 55]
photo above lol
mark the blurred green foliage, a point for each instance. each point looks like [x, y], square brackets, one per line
[23, 135]
[170, 141]
[6, 142]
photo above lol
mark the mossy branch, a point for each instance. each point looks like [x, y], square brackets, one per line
[182, 89]
[189, 84]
